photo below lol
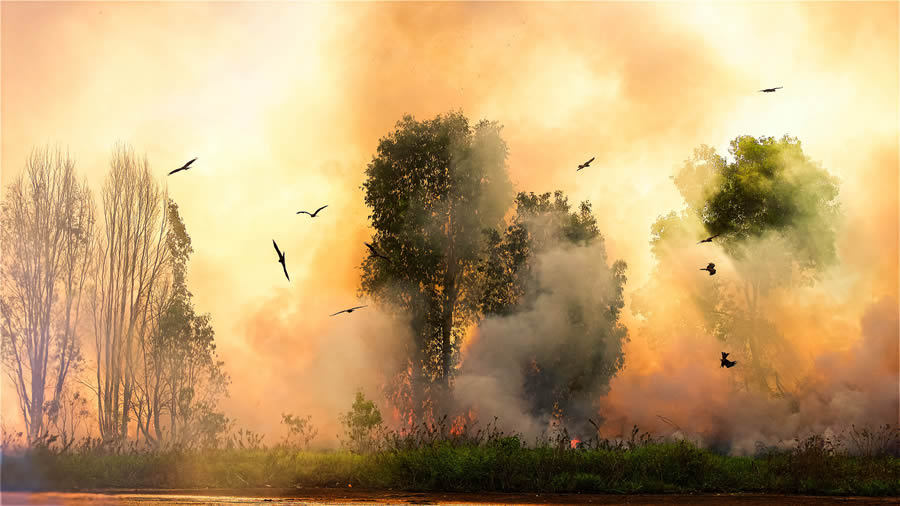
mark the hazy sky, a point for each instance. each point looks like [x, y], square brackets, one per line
[284, 103]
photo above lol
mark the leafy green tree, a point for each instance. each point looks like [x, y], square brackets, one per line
[182, 377]
[361, 424]
[433, 187]
[777, 213]
[586, 352]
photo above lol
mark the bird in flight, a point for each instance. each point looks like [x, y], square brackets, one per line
[374, 252]
[709, 239]
[312, 215]
[585, 164]
[711, 268]
[352, 309]
[727, 363]
[183, 167]
[281, 259]
[771, 90]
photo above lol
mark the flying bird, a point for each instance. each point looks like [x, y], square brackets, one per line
[711, 268]
[771, 90]
[352, 309]
[281, 259]
[374, 252]
[312, 215]
[709, 239]
[725, 362]
[585, 164]
[183, 167]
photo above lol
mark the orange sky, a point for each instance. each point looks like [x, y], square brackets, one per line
[284, 103]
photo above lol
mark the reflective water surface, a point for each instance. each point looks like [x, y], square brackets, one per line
[337, 496]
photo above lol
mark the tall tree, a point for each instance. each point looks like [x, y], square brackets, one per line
[433, 187]
[132, 259]
[47, 237]
[777, 213]
[179, 373]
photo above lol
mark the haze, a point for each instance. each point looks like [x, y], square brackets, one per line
[283, 104]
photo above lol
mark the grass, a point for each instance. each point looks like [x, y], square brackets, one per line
[499, 464]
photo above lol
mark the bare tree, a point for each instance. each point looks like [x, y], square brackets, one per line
[47, 239]
[132, 258]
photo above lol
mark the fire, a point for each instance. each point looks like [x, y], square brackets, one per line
[574, 443]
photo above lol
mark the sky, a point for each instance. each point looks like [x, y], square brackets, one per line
[283, 105]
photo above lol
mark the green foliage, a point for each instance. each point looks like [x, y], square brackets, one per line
[182, 377]
[498, 465]
[433, 186]
[361, 425]
[771, 186]
[777, 215]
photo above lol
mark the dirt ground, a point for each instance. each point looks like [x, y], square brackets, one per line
[355, 496]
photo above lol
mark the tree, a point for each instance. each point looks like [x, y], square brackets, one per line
[777, 213]
[433, 187]
[564, 372]
[131, 262]
[361, 424]
[179, 373]
[47, 240]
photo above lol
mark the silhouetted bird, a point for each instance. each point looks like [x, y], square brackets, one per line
[374, 252]
[726, 362]
[183, 167]
[711, 268]
[771, 90]
[281, 260]
[352, 309]
[585, 164]
[709, 239]
[312, 215]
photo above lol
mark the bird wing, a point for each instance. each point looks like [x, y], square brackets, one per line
[176, 170]
[724, 355]
[357, 307]
[339, 312]
[190, 162]
[319, 209]
[371, 248]
[711, 266]
[591, 160]
[276, 248]
[778, 88]
[304, 212]
[284, 266]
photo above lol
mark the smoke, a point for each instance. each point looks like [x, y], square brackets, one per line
[698, 399]
[308, 89]
[555, 353]
[313, 366]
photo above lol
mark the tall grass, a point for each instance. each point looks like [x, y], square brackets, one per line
[432, 458]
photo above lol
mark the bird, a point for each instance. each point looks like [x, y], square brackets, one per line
[312, 215]
[374, 252]
[183, 167]
[709, 239]
[726, 362]
[771, 90]
[281, 259]
[352, 309]
[585, 164]
[711, 268]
